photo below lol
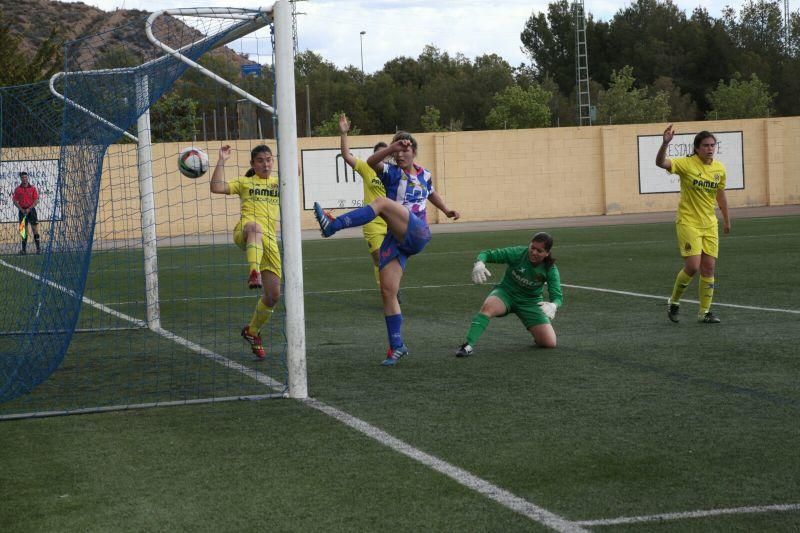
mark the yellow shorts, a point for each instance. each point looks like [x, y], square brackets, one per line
[271, 260]
[374, 239]
[694, 241]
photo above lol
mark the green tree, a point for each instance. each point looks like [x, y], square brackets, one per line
[622, 103]
[330, 127]
[682, 107]
[516, 108]
[430, 119]
[740, 99]
[549, 41]
[488, 74]
[17, 68]
[758, 36]
[708, 55]
[646, 36]
[174, 118]
[118, 57]
[330, 90]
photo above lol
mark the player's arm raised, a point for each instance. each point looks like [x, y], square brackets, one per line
[376, 159]
[218, 184]
[662, 161]
[344, 145]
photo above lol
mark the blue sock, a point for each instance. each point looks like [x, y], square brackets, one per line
[394, 324]
[356, 217]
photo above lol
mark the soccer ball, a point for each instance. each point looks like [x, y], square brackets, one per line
[192, 162]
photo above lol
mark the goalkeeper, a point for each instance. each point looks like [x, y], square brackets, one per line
[520, 292]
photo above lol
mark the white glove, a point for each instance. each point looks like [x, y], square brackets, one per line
[480, 273]
[549, 309]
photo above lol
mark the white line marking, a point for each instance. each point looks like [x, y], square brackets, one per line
[361, 257]
[580, 287]
[688, 514]
[131, 406]
[481, 486]
[716, 304]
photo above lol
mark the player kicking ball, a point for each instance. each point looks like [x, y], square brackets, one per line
[521, 291]
[409, 187]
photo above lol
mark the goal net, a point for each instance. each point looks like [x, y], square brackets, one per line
[139, 294]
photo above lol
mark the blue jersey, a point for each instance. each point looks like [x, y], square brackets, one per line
[411, 191]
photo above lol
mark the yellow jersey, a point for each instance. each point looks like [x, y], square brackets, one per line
[373, 188]
[260, 200]
[699, 186]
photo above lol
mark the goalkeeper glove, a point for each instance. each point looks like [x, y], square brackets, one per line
[480, 273]
[549, 309]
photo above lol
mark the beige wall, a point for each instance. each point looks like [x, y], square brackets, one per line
[488, 175]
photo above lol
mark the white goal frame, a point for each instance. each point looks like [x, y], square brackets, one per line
[252, 19]
[281, 15]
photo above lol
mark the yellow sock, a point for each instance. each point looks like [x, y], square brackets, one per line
[681, 282]
[706, 294]
[260, 317]
[254, 252]
[377, 272]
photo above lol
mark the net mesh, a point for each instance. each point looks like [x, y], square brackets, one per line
[79, 331]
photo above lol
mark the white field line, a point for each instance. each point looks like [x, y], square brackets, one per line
[472, 482]
[689, 514]
[463, 477]
[664, 298]
[579, 287]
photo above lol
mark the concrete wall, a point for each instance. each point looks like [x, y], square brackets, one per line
[486, 175]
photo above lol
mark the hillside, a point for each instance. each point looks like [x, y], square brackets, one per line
[33, 20]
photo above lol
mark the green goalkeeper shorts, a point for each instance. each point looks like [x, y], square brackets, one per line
[527, 309]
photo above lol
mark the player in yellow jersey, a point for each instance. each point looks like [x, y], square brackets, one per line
[255, 233]
[374, 231]
[702, 189]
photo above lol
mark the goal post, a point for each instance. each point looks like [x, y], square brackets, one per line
[287, 166]
[290, 200]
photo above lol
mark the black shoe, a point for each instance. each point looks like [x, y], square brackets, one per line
[708, 318]
[465, 350]
[672, 311]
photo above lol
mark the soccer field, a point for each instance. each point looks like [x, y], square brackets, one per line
[632, 424]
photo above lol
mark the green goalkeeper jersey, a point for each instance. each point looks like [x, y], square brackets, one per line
[523, 280]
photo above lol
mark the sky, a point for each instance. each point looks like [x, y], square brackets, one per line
[394, 28]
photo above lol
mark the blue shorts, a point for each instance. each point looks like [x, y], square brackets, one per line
[418, 234]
